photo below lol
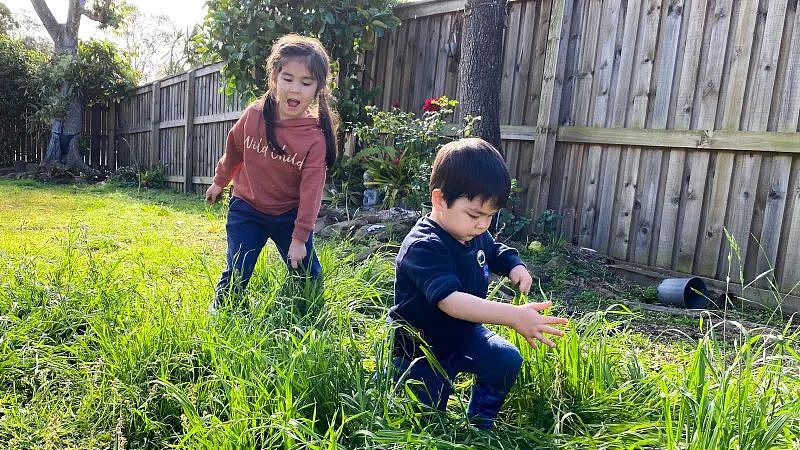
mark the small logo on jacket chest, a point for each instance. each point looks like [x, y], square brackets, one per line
[481, 259]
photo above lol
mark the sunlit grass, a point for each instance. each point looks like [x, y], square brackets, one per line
[105, 342]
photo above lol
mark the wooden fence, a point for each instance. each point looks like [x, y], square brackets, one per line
[179, 122]
[27, 143]
[648, 126]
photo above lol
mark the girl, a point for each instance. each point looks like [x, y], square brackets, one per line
[276, 154]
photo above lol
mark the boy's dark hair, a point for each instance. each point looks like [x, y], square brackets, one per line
[471, 167]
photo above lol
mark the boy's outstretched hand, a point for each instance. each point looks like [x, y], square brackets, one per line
[533, 326]
[520, 276]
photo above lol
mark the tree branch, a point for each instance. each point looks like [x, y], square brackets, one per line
[74, 16]
[50, 24]
[94, 16]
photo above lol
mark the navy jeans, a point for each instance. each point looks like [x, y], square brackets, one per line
[494, 361]
[248, 230]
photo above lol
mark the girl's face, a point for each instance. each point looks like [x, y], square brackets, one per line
[295, 89]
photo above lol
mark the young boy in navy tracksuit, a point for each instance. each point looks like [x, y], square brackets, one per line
[442, 278]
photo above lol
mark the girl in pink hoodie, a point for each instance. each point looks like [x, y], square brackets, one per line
[276, 155]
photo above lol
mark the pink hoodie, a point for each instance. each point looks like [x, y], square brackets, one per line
[273, 183]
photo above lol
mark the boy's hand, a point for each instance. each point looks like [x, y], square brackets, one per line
[212, 193]
[533, 326]
[519, 276]
[297, 253]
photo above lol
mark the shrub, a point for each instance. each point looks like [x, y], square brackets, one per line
[397, 149]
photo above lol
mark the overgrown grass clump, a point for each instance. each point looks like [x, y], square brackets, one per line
[106, 342]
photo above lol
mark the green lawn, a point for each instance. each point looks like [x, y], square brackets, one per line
[105, 342]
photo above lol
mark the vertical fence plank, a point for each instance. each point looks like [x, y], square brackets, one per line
[770, 200]
[672, 202]
[591, 165]
[734, 101]
[601, 115]
[788, 250]
[547, 122]
[441, 58]
[112, 136]
[620, 161]
[629, 201]
[387, 59]
[703, 110]
[744, 216]
[188, 131]
[154, 123]
[511, 44]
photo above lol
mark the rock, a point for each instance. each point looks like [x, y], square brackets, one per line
[368, 231]
[391, 231]
[342, 229]
[555, 263]
[388, 215]
[332, 215]
[319, 224]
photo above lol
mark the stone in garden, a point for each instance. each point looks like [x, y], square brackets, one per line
[395, 214]
[342, 229]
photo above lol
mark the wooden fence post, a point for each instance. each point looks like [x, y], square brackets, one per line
[96, 136]
[112, 137]
[154, 123]
[188, 134]
[547, 122]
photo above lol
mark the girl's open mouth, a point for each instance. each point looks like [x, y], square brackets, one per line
[293, 102]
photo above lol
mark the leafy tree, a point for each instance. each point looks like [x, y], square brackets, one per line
[69, 104]
[21, 91]
[241, 33]
[155, 45]
[7, 21]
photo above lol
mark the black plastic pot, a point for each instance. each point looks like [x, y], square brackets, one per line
[683, 292]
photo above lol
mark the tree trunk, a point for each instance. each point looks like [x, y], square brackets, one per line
[480, 67]
[64, 145]
[65, 132]
[65, 136]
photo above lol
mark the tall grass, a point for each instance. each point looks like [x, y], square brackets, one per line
[111, 346]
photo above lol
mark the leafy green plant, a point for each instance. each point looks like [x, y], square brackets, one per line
[23, 71]
[397, 149]
[509, 224]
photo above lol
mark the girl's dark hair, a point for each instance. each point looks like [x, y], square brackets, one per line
[470, 168]
[309, 51]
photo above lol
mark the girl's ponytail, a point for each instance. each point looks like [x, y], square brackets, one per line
[328, 121]
[269, 120]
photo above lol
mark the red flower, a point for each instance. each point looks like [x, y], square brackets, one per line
[431, 104]
[396, 104]
[396, 161]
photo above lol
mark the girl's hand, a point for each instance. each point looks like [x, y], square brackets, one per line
[212, 193]
[533, 326]
[297, 253]
[522, 278]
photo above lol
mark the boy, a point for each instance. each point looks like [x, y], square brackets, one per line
[442, 278]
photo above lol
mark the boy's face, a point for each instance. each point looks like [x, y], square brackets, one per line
[464, 219]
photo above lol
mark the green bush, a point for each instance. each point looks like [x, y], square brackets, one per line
[21, 92]
[397, 149]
